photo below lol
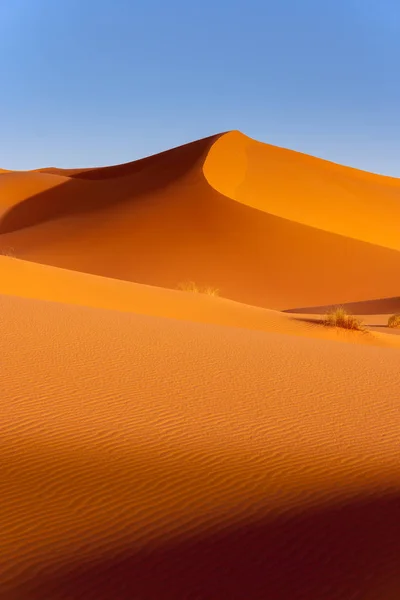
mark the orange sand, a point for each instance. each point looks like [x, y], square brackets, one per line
[159, 444]
[161, 220]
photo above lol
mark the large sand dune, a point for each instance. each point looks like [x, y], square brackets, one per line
[162, 220]
[159, 444]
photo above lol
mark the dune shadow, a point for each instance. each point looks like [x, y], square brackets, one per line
[159, 160]
[364, 307]
[311, 321]
[98, 188]
[345, 552]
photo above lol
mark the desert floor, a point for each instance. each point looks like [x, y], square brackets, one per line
[166, 444]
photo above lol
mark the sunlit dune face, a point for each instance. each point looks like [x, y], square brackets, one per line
[307, 190]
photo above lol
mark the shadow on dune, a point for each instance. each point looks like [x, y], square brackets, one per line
[346, 552]
[381, 306]
[309, 320]
[160, 161]
[94, 189]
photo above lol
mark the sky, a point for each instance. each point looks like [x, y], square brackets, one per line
[96, 82]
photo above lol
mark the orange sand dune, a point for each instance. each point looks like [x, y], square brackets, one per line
[150, 458]
[306, 190]
[30, 280]
[16, 187]
[186, 214]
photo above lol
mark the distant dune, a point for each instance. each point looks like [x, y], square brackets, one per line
[159, 444]
[186, 214]
[385, 306]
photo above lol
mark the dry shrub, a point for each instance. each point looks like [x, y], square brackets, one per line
[191, 286]
[394, 321]
[339, 317]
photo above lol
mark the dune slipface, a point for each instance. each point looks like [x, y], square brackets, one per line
[164, 444]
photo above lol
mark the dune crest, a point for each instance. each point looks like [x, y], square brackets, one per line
[305, 189]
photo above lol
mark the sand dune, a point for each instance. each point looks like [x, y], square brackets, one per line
[160, 221]
[161, 444]
[30, 280]
[17, 187]
[146, 457]
[328, 196]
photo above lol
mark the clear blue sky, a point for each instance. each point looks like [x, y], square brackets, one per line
[94, 82]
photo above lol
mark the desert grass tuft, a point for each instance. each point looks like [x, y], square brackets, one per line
[210, 291]
[191, 286]
[339, 317]
[394, 321]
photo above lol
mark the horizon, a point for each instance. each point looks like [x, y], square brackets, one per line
[121, 83]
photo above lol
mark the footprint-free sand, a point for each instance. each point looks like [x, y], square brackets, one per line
[162, 444]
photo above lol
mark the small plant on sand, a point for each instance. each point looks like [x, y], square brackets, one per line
[191, 286]
[394, 321]
[188, 286]
[339, 317]
[210, 291]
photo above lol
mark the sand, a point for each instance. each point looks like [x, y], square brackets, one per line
[160, 221]
[158, 443]
[328, 196]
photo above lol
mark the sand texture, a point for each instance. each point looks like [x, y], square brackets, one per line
[166, 444]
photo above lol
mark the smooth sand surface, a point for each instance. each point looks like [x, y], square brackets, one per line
[328, 196]
[161, 444]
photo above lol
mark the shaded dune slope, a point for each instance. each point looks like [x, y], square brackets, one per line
[382, 306]
[228, 475]
[168, 165]
[159, 221]
[91, 189]
[16, 188]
